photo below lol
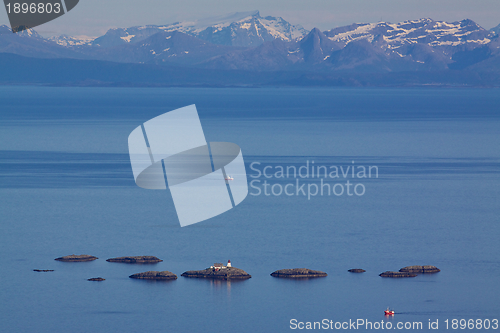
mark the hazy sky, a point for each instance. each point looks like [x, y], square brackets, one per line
[95, 17]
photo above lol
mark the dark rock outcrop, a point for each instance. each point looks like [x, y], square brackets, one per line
[297, 273]
[427, 269]
[223, 274]
[43, 270]
[136, 260]
[356, 270]
[154, 275]
[96, 279]
[76, 258]
[397, 274]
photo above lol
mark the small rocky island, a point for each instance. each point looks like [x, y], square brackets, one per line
[136, 260]
[427, 269]
[392, 274]
[356, 270]
[43, 270]
[76, 258]
[96, 279]
[154, 275]
[219, 271]
[411, 271]
[298, 273]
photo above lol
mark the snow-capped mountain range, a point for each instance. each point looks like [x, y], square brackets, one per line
[423, 31]
[247, 41]
[242, 29]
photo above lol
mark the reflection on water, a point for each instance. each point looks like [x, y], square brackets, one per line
[300, 279]
[388, 318]
[151, 281]
[219, 284]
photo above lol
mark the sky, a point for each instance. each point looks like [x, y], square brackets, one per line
[95, 17]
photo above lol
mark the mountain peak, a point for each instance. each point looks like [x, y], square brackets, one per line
[468, 22]
[248, 29]
[316, 46]
[225, 19]
[25, 33]
[4, 29]
[496, 30]
[316, 35]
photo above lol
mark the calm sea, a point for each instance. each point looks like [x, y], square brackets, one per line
[66, 187]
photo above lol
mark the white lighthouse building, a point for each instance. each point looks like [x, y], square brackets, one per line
[218, 266]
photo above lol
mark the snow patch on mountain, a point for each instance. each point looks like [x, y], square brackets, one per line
[128, 38]
[66, 40]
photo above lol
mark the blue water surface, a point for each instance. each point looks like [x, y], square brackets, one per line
[66, 187]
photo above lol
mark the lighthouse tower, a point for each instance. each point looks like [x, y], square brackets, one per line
[229, 263]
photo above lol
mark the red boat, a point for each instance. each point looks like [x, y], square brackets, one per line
[389, 312]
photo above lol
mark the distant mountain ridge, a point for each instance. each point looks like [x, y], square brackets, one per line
[30, 44]
[433, 33]
[243, 29]
[251, 43]
[411, 45]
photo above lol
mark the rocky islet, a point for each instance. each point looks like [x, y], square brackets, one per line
[154, 275]
[96, 279]
[226, 273]
[297, 273]
[411, 271]
[76, 258]
[136, 260]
